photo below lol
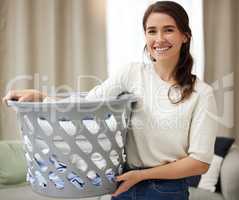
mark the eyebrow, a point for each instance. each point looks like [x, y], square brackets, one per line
[167, 26]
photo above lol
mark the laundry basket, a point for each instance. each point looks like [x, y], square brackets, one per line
[74, 149]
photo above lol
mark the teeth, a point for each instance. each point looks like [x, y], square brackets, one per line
[161, 49]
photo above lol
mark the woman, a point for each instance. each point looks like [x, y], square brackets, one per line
[172, 131]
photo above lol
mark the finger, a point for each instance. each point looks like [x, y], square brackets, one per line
[122, 188]
[23, 99]
[122, 177]
[4, 99]
[10, 95]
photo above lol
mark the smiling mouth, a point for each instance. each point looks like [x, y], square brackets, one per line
[160, 50]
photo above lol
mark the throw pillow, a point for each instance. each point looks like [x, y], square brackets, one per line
[13, 165]
[210, 180]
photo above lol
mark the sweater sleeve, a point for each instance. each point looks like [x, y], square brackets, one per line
[112, 86]
[203, 128]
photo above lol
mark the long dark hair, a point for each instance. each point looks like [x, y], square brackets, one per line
[183, 71]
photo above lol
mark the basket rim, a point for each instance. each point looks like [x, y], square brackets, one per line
[129, 97]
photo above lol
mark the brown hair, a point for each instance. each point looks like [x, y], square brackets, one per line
[183, 70]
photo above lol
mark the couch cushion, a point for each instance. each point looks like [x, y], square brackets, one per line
[12, 163]
[230, 174]
[201, 194]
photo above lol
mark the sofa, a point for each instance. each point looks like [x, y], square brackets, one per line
[13, 171]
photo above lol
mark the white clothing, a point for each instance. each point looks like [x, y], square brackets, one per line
[163, 132]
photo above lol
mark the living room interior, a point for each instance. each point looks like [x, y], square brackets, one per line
[59, 46]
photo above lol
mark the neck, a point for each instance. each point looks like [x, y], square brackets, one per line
[164, 68]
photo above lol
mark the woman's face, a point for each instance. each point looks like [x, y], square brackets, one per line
[163, 38]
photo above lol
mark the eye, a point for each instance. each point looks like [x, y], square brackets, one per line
[151, 31]
[169, 30]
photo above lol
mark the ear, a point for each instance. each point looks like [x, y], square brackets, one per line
[185, 39]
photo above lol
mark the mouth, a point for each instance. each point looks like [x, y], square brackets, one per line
[161, 50]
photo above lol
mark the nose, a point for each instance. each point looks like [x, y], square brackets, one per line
[160, 37]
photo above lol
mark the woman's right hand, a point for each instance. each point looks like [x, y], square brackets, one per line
[24, 95]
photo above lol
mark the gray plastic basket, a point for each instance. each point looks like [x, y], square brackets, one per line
[74, 150]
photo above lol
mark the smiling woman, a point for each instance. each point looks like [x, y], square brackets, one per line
[120, 18]
[159, 157]
[168, 39]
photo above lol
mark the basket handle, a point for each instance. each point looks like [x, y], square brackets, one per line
[127, 95]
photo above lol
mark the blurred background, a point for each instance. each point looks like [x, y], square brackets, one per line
[72, 45]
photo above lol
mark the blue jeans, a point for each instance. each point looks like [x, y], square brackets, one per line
[157, 190]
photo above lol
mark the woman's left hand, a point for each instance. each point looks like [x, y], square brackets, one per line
[128, 179]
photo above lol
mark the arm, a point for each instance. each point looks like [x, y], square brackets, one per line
[113, 86]
[179, 169]
[203, 130]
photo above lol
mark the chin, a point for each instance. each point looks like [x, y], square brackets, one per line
[166, 56]
[162, 58]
